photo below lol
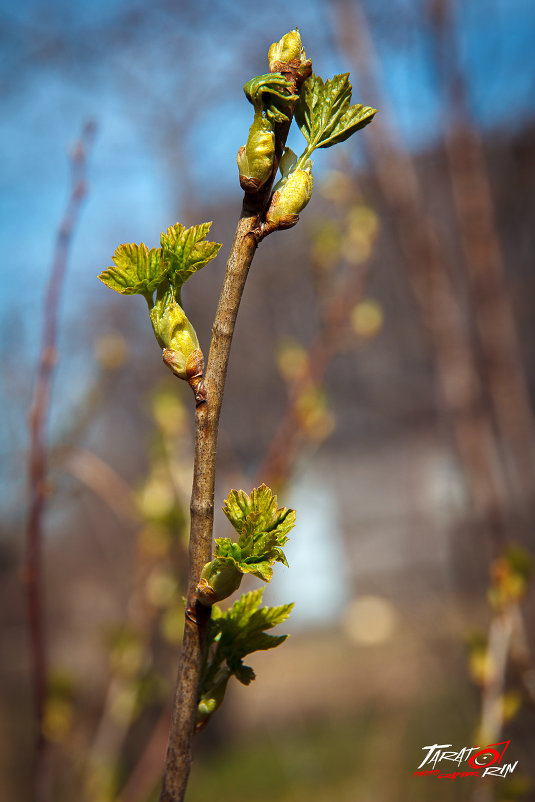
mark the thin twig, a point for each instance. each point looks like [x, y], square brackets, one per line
[499, 645]
[104, 481]
[501, 632]
[33, 577]
[246, 239]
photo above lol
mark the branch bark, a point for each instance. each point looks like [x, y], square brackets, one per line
[33, 574]
[248, 235]
[207, 414]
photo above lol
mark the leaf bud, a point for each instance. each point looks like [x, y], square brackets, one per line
[192, 372]
[288, 56]
[217, 582]
[211, 701]
[291, 195]
[176, 334]
[255, 159]
[181, 352]
[286, 49]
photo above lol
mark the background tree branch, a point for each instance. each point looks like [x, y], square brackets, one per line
[33, 575]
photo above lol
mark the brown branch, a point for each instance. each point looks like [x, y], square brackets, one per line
[248, 234]
[206, 423]
[33, 574]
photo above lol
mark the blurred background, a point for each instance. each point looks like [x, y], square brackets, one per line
[381, 381]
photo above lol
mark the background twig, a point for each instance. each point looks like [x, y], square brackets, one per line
[37, 452]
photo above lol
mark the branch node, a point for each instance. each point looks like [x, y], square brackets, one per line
[195, 375]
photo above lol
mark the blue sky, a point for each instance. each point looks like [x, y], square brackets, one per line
[47, 98]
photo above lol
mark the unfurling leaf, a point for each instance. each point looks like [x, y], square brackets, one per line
[140, 271]
[263, 529]
[271, 94]
[324, 113]
[137, 271]
[262, 504]
[231, 636]
[242, 629]
[186, 251]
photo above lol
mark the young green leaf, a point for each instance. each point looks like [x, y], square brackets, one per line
[324, 113]
[186, 251]
[242, 629]
[137, 270]
[263, 530]
[231, 636]
[261, 506]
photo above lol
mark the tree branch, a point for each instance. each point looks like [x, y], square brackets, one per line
[246, 239]
[33, 574]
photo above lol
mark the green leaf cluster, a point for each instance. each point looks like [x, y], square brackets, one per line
[325, 116]
[263, 529]
[232, 635]
[140, 271]
[324, 113]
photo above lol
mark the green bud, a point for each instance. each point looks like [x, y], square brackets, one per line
[212, 700]
[255, 159]
[288, 56]
[218, 581]
[175, 333]
[292, 193]
[286, 49]
[178, 339]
